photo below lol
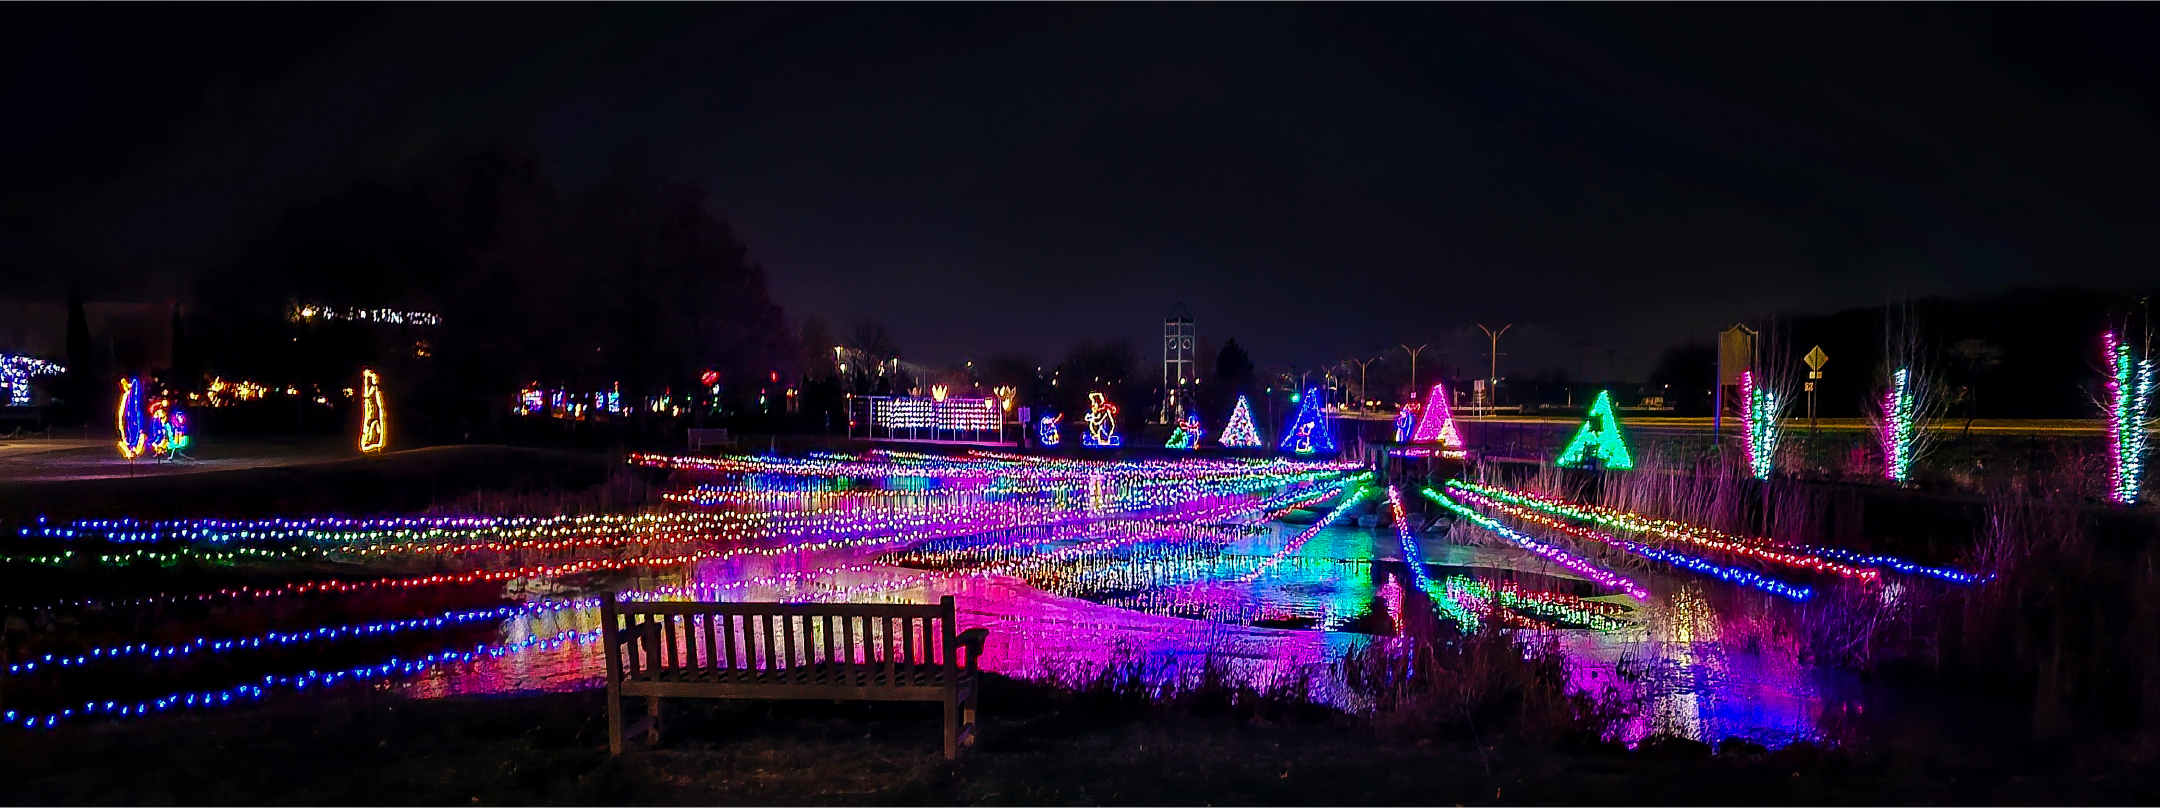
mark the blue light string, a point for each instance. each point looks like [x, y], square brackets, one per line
[1892, 562]
[1697, 565]
[212, 698]
[1719, 571]
[275, 638]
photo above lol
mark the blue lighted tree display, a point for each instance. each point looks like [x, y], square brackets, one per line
[1309, 432]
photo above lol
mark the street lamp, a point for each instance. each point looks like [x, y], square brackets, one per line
[1361, 376]
[1413, 364]
[1492, 375]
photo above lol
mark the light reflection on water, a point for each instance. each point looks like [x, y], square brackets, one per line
[1708, 662]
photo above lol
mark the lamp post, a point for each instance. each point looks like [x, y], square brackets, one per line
[1362, 365]
[1413, 364]
[1492, 375]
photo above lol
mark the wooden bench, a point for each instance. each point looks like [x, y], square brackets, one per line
[840, 651]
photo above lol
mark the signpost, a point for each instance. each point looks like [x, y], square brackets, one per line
[1814, 359]
[1736, 354]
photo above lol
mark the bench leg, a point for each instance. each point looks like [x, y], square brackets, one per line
[652, 714]
[952, 725]
[967, 716]
[614, 720]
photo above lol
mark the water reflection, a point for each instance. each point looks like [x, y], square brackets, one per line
[1707, 664]
[1072, 568]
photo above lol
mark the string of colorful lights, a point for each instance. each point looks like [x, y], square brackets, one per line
[205, 645]
[1899, 411]
[1762, 430]
[1580, 566]
[1297, 542]
[2130, 387]
[1754, 549]
[1690, 563]
[302, 681]
[1827, 560]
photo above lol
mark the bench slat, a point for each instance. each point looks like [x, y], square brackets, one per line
[816, 651]
[788, 647]
[667, 632]
[871, 609]
[772, 656]
[712, 645]
[727, 623]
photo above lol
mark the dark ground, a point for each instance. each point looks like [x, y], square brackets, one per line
[395, 482]
[1039, 747]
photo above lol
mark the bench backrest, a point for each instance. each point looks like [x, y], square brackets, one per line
[645, 639]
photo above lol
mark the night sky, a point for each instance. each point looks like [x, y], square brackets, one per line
[1315, 181]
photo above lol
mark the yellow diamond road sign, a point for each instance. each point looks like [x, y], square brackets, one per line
[1815, 358]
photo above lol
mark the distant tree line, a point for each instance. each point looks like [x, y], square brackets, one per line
[631, 281]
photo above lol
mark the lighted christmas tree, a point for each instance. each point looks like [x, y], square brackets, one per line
[1240, 434]
[1599, 437]
[1438, 424]
[1308, 432]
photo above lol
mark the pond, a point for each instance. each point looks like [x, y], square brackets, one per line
[1269, 569]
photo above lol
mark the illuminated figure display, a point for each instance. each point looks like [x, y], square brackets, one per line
[1101, 424]
[1046, 430]
[1438, 424]
[1308, 432]
[134, 436]
[171, 435]
[1405, 426]
[1239, 433]
[1188, 433]
[374, 435]
[1598, 438]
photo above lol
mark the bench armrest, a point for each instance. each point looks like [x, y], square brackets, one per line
[972, 639]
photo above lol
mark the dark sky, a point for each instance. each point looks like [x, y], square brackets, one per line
[1312, 180]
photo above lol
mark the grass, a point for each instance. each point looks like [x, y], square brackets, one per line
[1040, 746]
